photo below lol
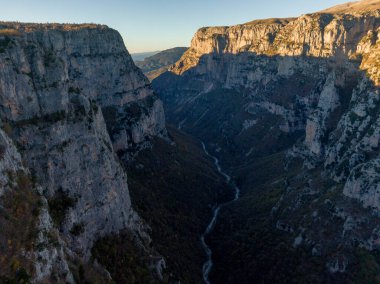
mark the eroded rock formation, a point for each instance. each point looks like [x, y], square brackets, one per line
[70, 98]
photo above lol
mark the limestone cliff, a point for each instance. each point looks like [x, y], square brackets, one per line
[319, 35]
[270, 96]
[334, 51]
[70, 98]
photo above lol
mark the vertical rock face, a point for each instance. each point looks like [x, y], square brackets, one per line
[315, 35]
[11, 161]
[303, 70]
[308, 89]
[70, 96]
[71, 60]
[20, 199]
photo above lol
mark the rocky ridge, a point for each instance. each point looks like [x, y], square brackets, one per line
[161, 59]
[320, 35]
[73, 103]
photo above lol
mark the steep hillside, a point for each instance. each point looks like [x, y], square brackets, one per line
[70, 98]
[173, 188]
[291, 108]
[153, 66]
[140, 56]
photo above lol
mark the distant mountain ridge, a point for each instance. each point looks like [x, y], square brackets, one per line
[139, 56]
[153, 66]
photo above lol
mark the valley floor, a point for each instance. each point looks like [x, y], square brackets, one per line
[174, 188]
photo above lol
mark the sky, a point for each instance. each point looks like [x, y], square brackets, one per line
[150, 25]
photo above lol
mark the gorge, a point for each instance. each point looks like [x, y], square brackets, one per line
[290, 107]
[216, 208]
[254, 158]
[76, 116]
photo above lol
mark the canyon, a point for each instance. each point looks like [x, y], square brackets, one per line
[75, 114]
[62, 88]
[290, 107]
[255, 156]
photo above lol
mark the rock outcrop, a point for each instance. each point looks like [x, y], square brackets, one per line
[70, 98]
[318, 35]
[17, 192]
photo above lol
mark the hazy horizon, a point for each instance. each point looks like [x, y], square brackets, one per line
[153, 25]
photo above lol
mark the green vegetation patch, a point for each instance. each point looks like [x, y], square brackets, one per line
[77, 229]
[59, 204]
[366, 268]
[5, 43]
[123, 259]
[173, 189]
[85, 272]
[19, 211]
[47, 118]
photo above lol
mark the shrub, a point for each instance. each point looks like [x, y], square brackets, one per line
[4, 43]
[3, 148]
[59, 205]
[122, 258]
[49, 58]
[74, 90]
[77, 229]
[9, 32]
[7, 128]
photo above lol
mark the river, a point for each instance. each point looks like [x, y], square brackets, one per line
[215, 213]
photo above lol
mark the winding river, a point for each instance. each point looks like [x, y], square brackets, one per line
[215, 213]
